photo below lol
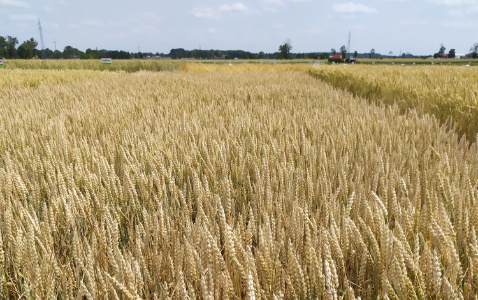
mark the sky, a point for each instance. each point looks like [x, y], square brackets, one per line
[398, 26]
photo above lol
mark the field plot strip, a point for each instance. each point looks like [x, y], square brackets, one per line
[447, 92]
[221, 184]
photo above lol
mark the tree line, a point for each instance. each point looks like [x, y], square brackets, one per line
[28, 49]
[11, 48]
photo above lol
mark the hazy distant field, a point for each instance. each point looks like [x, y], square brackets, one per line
[170, 65]
[117, 65]
[237, 182]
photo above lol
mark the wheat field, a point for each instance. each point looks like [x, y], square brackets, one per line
[228, 183]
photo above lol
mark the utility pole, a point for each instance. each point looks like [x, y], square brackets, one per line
[54, 42]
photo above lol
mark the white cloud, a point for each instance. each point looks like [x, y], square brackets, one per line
[204, 13]
[273, 5]
[454, 2]
[216, 13]
[273, 2]
[25, 17]
[14, 3]
[238, 6]
[461, 7]
[351, 8]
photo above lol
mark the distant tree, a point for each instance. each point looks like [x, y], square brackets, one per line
[451, 53]
[91, 54]
[474, 50]
[285, 50]
[45, 53]
[23, 52]
[390, 53]
[27, 49]
[70, 52]
[355, 54]
[3, 47]
[177, 53]
[441, 52]
[11, 46]
[372, 52]
[343, 51]
[57, 54]
[333, 51]
[87, 56]
[323, 56]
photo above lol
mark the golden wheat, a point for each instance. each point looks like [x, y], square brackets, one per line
[448, 92]
[228, 182]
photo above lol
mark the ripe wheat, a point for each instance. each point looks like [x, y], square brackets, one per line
[244, 184]
[448, 92]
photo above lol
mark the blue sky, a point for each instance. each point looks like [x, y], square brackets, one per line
[418, 27]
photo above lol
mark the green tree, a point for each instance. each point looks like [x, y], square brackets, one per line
[27, 49]
[451, 53]
[355, 54]
[12, 43]
[87, 56]
[70, 52]
[474, 50]
[441, 52]
[343, 51]
[333, 52]
[57, 54]
[372, 53]
[176, 53]
[285, 50]
[91, 53]
[3, 47]
[45, 53]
